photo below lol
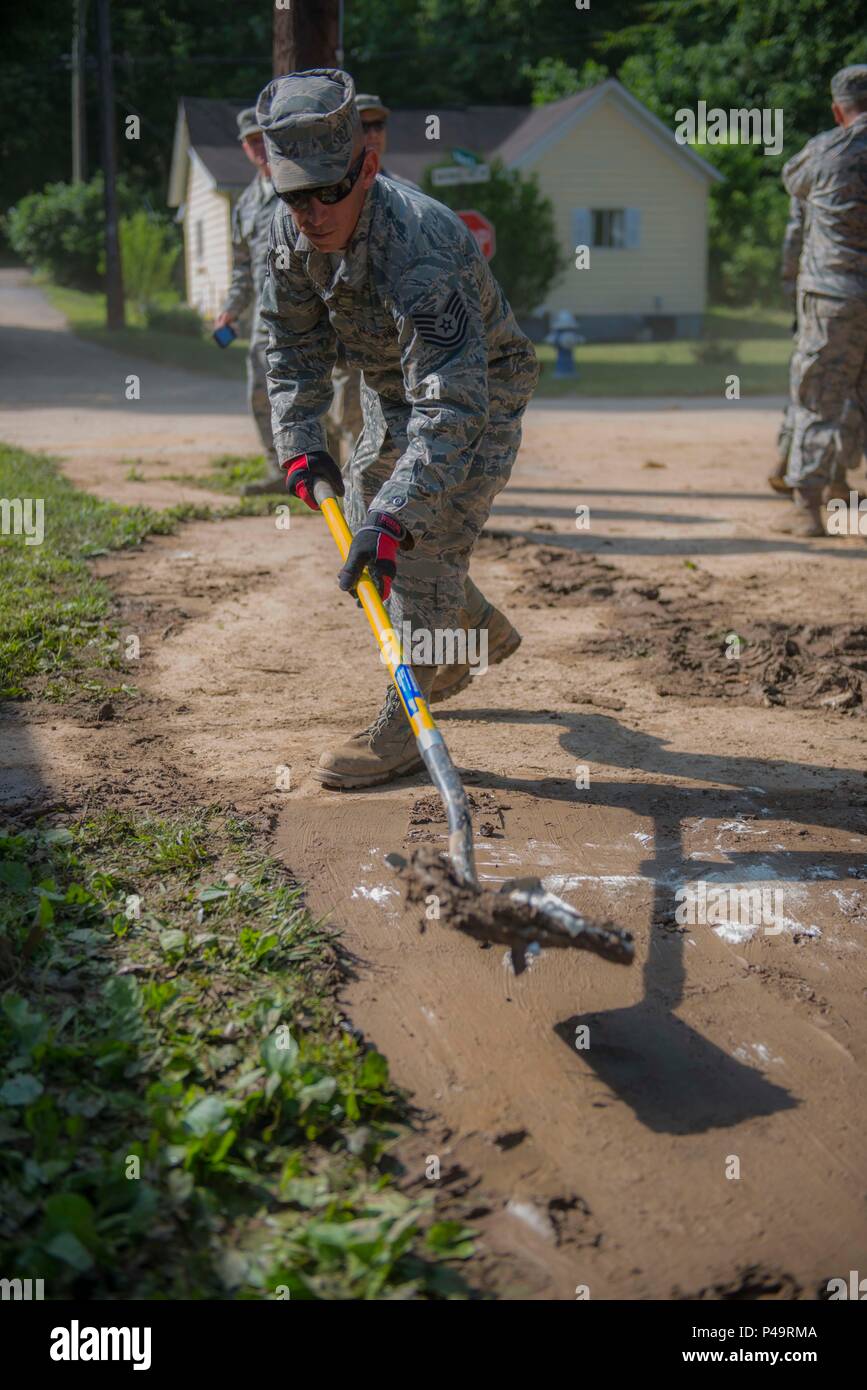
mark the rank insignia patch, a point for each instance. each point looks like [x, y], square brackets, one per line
[447, 327]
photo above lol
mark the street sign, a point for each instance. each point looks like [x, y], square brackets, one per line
[482, 230]
[457, 173]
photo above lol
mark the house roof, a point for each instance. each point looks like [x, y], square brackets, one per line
[210, 128]
[540, 122]
[546, 125]
[518, 135]
[481, 129]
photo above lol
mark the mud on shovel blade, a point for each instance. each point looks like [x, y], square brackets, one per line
[522, 913]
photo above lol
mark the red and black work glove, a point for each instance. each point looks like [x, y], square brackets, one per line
[306, 469]
[375, 544]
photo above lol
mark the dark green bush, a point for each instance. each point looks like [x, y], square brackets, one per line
[61, 230]
[149, 246]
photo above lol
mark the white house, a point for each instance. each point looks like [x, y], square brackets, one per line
[209, 169]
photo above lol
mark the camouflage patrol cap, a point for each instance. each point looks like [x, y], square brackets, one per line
[367, 102]
[247, 123]
[310, 123]
[850, 84]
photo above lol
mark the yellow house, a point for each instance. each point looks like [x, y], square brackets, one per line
[620, 185]
[623, 187]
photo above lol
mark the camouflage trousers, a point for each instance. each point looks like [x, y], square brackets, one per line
[344, 422]
[851, 434]
[828, 390]
[432, 588]
[257, 394]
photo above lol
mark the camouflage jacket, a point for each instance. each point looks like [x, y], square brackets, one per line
[397, 178]
[418, 311]
[251, 224]
[793, 240]
[829, 175]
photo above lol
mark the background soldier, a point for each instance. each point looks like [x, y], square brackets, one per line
[852, 438]
[374, 122]
[829, 176]
[251, 225]
[401, 282]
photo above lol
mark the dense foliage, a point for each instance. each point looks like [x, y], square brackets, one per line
[61, 230]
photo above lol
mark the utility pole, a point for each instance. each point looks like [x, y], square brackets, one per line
[114, 305]
[307, 34]
[79, 119]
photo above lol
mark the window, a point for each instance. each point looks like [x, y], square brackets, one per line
[200, 239]
[609, 228]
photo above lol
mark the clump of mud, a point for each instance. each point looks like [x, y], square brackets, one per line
[499, 917]
[428, 811]
[552, 575]
[751, 1282]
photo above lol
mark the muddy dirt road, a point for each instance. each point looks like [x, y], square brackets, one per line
[727, 1048]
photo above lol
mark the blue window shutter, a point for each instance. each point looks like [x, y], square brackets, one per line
[582, 227]
[633, 228]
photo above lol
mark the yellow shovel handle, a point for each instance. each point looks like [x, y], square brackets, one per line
[414, 703]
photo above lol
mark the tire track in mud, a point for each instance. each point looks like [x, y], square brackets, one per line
[700, 639]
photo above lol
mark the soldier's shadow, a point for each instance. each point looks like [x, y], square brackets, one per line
[675, 1080]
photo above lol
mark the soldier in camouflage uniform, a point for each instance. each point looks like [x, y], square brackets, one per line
[344, 418]
[251, 226]
[850, 428]
[829, 176]
[400, 281]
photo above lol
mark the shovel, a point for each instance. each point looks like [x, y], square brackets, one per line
[522, 913]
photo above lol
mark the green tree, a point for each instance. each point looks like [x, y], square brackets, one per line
[528, 258]
[733, 53]
[553, 78]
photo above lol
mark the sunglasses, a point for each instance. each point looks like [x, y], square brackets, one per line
[373, 125]
[330, 193]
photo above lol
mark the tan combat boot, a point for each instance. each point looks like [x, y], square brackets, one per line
[503, 640]
[777, 479]
[807, 520]
[385, 750]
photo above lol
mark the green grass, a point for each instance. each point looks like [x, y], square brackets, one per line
[229, 473]
[86, 316]
[183, 1111]
[56, 634]
[760, 343]
[761, 339]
